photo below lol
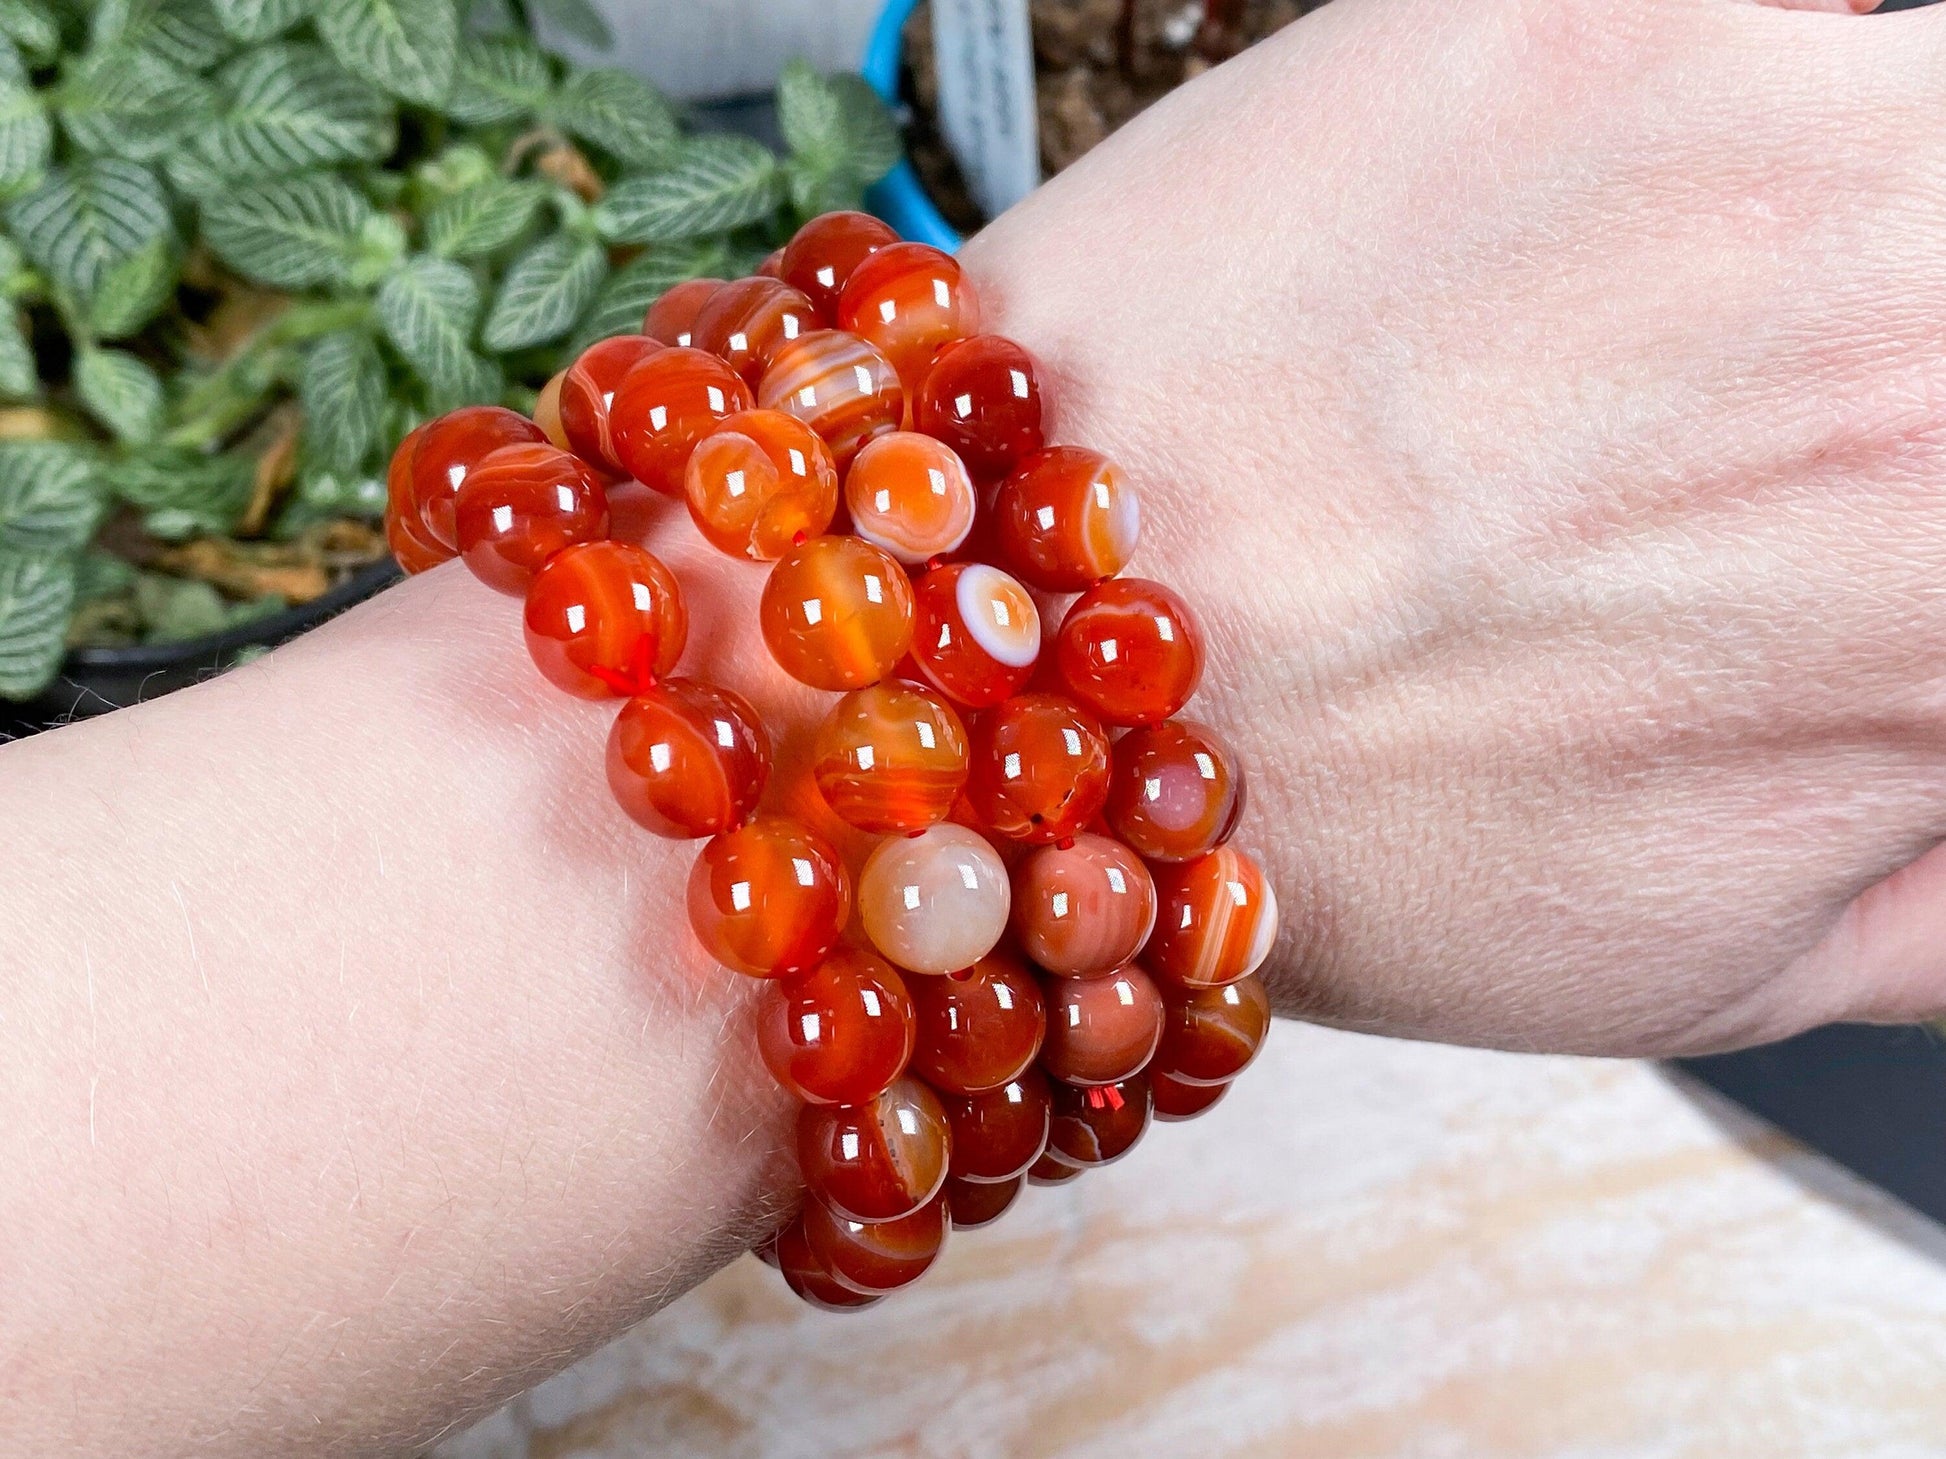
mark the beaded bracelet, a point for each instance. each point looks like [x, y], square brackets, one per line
[1052, 940]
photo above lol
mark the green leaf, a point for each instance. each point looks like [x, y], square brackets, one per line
[259, 20]
[343, 389]
[36, 601]
[809, 115]
[134, 289]
[51, 497]
[294, 234]
[427, 309]
[575, 19]
[408, 47]
[720, 183]
[628, 292]
[123, 102]
[26, 135]
[121, 392]
[19, 374]
[178, 608]
[621, 114]
[499, 79]
[873, 144]
[32, 27]
[98, 574]
[82, 221]
[185, 33]
[840, 135]
[545, 292]
[291, 107]
[483, 219]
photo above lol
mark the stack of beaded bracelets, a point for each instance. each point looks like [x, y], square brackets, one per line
[1052, 939]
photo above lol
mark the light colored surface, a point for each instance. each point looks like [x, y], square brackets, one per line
[701, 48]
[1370, 1249]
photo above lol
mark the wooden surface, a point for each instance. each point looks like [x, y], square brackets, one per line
[1370, 1249]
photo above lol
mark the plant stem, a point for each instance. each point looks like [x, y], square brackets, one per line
[234, 394]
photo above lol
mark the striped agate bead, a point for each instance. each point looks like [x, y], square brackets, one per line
[839, 386]
[911, 495]
[588, 390]
[1083, 905]
[605, 619]
[1065, 519]
[890, 757]
[688, 759]
[976, 633]
[1216, 919]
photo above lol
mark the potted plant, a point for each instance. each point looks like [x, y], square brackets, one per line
[246, 244]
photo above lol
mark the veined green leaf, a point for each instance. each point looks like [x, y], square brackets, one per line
[544, 292]
[259, 20]
[720, 183]
[626, 295]
[132, 290]
[343, 392]
[873, 145]
[408, 47]
[26, 135]
[293, 234]
[292, 107]
[32, 26]
[428, 308]
[51, 496]
[840, 135]
[98, 573]
[185, 33]
[82, 221]
[499, 79]
[36, 600]
[121, 392]
[130, 103]
[575, 19]
[483, 219]
[621, 114]
[182, 492]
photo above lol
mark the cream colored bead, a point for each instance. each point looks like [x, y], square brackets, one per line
[935, 902]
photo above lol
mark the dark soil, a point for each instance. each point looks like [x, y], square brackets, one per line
[1096, 64]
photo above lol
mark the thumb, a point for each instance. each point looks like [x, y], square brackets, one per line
[1884, 959]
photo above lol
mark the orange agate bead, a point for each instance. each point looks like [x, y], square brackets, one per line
[839, 386]
[768, 898]
[935, 901]
[981, 397]
[1083, 905]
[1065, 519]
[1099, 1124]
[1210, 1035]
[837, 613]
[667, 402]
[972, 1204]
[1103, 1029]
[688, 759]
[1176, 791]
[890, 757]
[1037, 768]
[808, 1276]
[1174, 1100]
[976, 634]
[822, 254]
[760, 483]
[875, 1257]
[840, 1033]
[979, 1029]
[405, 533]
[1216, 920]
[588, 394]
[447, 449]
[910, 495]
[1000, 1133]
[1130, 650]
[605, 619]
[877, 1160]
[521, 505]
[672, 318]
[908, 299]
[745, 323]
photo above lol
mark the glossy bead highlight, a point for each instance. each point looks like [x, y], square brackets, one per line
[671, 320]
[759, 484]
[769, 898]
[1037, 768]
[666, 403]
[976, 633]
[1130, 651]
[910, 495]
[836, 613]
[745, 323]
[879, 1159]
[450, 447]
[1210, 1035]
[688, 759]
[1083, 905]
[980, 1029]
[890, 757]
[1176, 792]
[588, 395]
[981, 397]
[839, 386]
[522, 504]
[999, 1134]
[1100, 1124]
[605, 620]
[1102, 1029]
[840, 1033]
[908, 299]
[875, 1257]
[1216, 920]
[1065, 519]
[822, 254]
[934, 902]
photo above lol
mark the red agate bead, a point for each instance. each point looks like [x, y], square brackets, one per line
[521, 505]
[1000, 1133]
[672, 318]
[935, 901]
[981, 397]
[450, 447]
[840, 1033]
[1176, 791]
[1065, 519]
[809, 1278]
[890, 757]
[879, 1159]
[877, 1256]
[745, 323]
[978, 1029]
[1098, 1124]
[821, 255]
[972, 1204]
[1130, 650]
[908, 299]
[1216, 920]
[1102, 1029]
[405, 533]
[768, 898]
[1083, 905]
[588, 394]
[1037, 768]
[837, 613]
[605, 619]
[547, 411]
[1174, 1100]
[688, 759]
[759, 484]
[1210, 1035]
[839, 386]
[773, 265]
[666, 403]
[976, 634]
[1050, 1170]
[910, 495]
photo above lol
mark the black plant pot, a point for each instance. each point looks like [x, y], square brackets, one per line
[96, 680]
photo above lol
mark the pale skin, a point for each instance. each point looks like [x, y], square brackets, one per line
[1542, 400]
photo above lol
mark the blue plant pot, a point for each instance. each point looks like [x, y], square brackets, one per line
[899, 197]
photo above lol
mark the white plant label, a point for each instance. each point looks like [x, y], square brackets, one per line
[985, 56]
